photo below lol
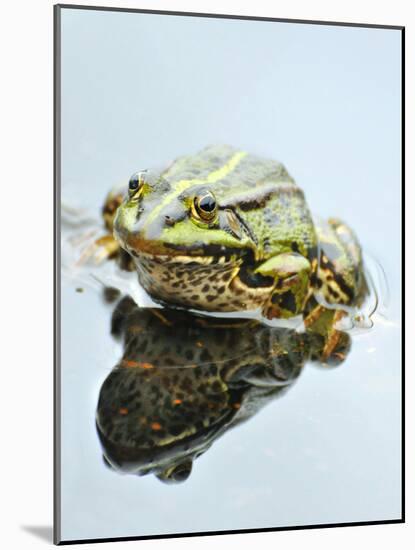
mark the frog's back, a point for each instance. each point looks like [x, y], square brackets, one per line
[224, 169]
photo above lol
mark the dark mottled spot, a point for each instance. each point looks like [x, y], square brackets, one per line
[189, 354]
[194, 297]
[221, 289]
[205, 356]
[253, 204]
[316, 281]
[344, 287]
[111, 294]
[294, 247]
[205, 288]
[333, 292]
[254, 280]
[285, 301]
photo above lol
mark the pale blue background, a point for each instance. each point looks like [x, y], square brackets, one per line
[139, 90]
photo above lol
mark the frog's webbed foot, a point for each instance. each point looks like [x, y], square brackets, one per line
[107, 247]
[112, 201]
[328, 345]
[291, 275]
[99, 250]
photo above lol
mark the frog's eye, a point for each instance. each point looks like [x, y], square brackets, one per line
[136, 182]
[205, 206]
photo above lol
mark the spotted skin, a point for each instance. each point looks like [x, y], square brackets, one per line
[207, 287]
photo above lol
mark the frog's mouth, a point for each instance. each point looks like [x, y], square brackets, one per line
[194, 256]
[197, 251]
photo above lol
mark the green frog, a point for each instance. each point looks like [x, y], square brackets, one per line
[184, 380]
[225, 231]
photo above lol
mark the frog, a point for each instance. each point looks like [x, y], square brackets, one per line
[184, 380]
[225, 230]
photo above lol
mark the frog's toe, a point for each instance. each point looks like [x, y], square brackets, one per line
[336, 349]
[333, 349]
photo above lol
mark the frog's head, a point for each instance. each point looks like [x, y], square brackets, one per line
[184, 219]
[181, 233]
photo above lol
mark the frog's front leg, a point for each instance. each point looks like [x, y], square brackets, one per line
[291, 273]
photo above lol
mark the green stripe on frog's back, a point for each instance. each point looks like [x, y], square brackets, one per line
[208, 176]
[199, 166]
[224, 169]
[253, 182]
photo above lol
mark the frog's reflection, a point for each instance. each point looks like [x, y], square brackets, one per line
[184, 380]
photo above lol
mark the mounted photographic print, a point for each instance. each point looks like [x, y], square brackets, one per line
[228, 274]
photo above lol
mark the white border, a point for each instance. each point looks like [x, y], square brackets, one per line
[26, 178]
